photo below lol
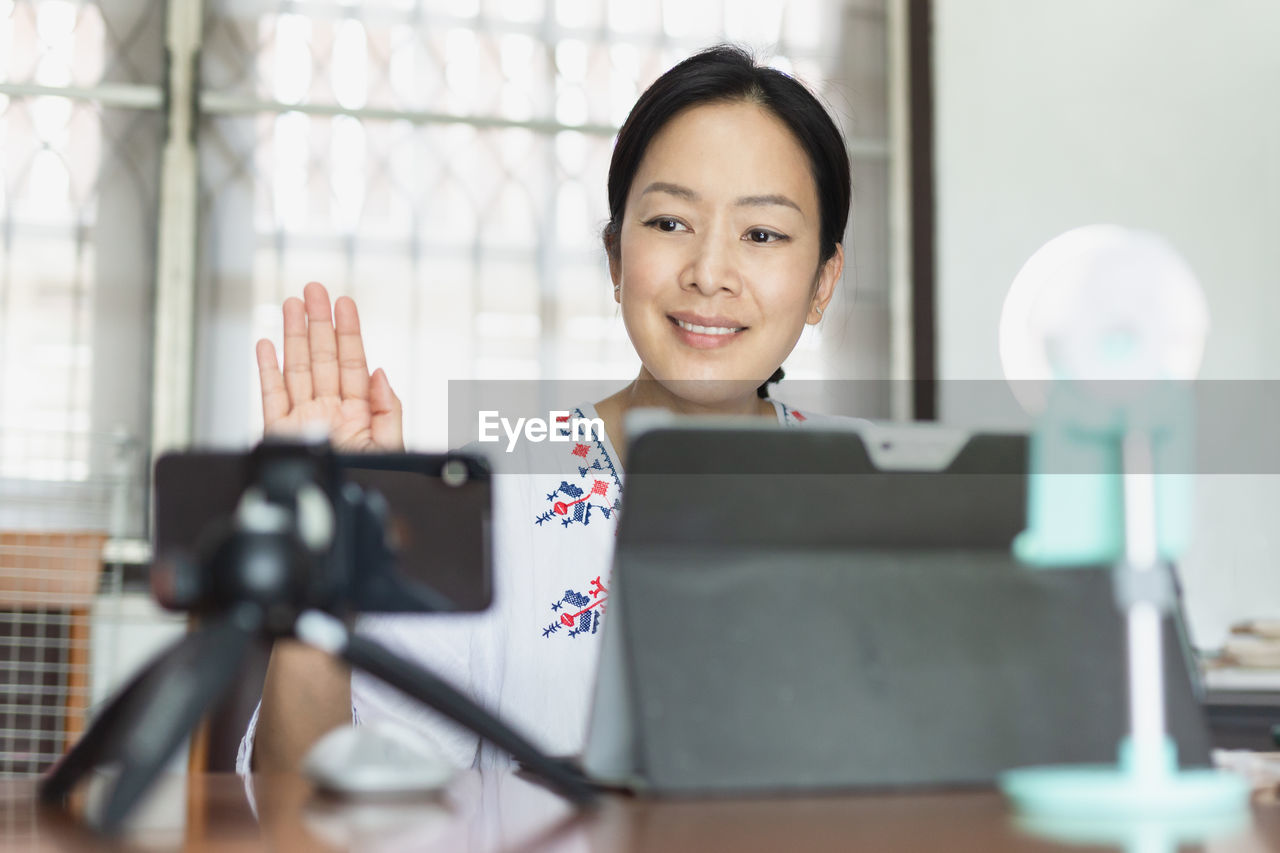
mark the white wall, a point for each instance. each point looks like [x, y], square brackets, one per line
[1159, 114]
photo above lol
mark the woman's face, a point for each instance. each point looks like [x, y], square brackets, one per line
[717, 270]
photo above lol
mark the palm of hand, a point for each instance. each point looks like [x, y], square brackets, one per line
[325, 382]
[348, 423]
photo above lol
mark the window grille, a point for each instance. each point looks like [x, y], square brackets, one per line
[445, 165]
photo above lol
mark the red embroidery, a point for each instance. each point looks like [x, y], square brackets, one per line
[597, 589]
[561, 508]
[797, 415]
[568, 503]
[567, 619]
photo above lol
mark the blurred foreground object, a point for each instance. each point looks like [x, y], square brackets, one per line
[1101, 333]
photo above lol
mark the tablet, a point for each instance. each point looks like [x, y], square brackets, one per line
[787, 614]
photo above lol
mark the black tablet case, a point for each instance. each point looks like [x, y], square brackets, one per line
[809, 622]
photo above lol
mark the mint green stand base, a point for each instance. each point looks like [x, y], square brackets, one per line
[1114, 804]
[1107, 792]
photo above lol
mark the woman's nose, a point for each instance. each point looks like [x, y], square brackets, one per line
[712, 267]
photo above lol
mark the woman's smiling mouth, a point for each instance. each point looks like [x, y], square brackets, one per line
[705, 332]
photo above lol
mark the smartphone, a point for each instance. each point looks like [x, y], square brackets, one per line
[438, 523]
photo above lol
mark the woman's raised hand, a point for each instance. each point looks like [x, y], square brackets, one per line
[326, 379]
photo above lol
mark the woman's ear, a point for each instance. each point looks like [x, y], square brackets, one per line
[615, 271]
[828, 275]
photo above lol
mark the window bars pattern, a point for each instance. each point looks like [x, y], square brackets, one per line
[444, 164]
[77, 211]
[80, 43]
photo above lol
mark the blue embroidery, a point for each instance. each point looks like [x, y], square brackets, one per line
[583, 611]
[594, 466]
[599, 493]
[572, 503]
[588, 620]
[791, 417]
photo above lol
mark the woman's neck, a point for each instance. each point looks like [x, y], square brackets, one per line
[646, 392]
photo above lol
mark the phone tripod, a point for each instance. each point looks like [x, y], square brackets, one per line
[275, 571]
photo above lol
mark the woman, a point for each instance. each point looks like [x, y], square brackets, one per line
[728, 196]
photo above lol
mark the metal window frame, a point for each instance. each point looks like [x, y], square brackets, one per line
[172, 393]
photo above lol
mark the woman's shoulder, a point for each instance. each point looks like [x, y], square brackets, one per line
[796, 417]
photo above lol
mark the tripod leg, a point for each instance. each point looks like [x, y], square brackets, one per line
[331, 635]
[196, 681]
[100, 742]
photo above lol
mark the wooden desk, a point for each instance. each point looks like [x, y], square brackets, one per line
[502, 812]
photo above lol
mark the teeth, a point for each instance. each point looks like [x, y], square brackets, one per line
[707, 330]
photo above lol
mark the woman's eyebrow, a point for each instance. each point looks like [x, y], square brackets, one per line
[764, 200]
[687, 194]
[671, 189]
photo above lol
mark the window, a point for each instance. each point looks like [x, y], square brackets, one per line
[442, 162]
[445, 165]
[78, 202]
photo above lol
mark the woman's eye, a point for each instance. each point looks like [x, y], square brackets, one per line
[763, 235]
[666, 223]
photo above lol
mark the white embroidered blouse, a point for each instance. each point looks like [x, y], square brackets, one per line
[531, 657]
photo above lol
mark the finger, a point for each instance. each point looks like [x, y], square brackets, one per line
[323, 341]
[353, 370]
[297, 352]
[275, 399]
[386, 415]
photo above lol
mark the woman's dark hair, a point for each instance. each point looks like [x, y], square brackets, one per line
[727, 73]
